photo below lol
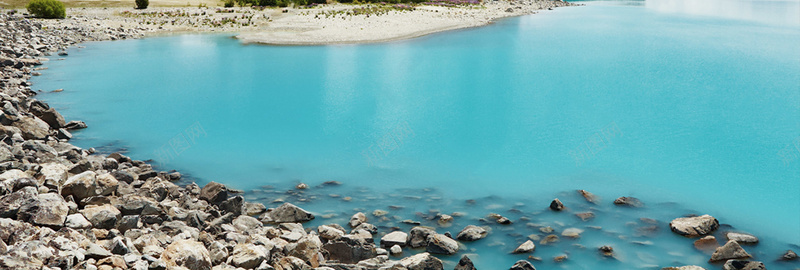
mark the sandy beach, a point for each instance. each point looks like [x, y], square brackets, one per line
[324, 24]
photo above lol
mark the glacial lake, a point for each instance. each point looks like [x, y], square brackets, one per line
[691, 106]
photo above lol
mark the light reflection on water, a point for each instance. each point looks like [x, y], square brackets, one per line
[778, 12]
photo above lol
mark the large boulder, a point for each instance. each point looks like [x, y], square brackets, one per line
[287, 213]
[214, 193]
[102, 216]
[472, 233]
[52, 118]
[441, 244]
[248, 256]
[418, 236]
[48, 209]
[731, 250]
[522, 265]
[32, 128]
[349, 249]
[743, 265]
[465, 264]
[187, 253]
[422, 261]
[694, 226]
[394, 238]
[80, 186]
[11, 203]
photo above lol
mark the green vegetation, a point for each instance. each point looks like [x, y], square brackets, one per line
[229, 3]
[48, 9]
[142, 4]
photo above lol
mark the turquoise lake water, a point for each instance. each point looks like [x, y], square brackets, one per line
[691, 106]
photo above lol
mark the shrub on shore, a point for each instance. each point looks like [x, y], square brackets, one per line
[142, 4]
[48, 9]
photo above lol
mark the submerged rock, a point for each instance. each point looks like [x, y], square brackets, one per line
[472, 233]
[731, 250]
[607, 251]
[707, 243]
[522, 265]
[694, 226]
[465, 264]
[628, 201]
[743, 265]
[688, 267]
[589, 196]
[789, 255]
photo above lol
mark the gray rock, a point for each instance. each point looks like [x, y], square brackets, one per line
[526, 247]
[32, 128]
[522, 265]
[472, 233]
[47, 210]
[349, 249]
[246, 223]
[80, 186]
[11, 203]
[394, 238]
[129, 222]
[422, 261]
[441, 244]
[186, 253]
[232, 205]
[396, 250]
[357, 219]
[248, 256]
[329, 232]
[101, 216]
[52, 118]
[743, 265]
[556, 205]
[464, 264]
[694, 226]
[218, 252]
[73, 125]
[742, 238]
[214, 193]
[628, 201]
[731, 250]
[106, 184]
[418, 236]
[252, 209]
[96, 252]
[287, 213]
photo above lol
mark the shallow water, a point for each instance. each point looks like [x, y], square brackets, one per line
[690, 112]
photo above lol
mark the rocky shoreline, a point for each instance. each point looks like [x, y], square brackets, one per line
[63, 207]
